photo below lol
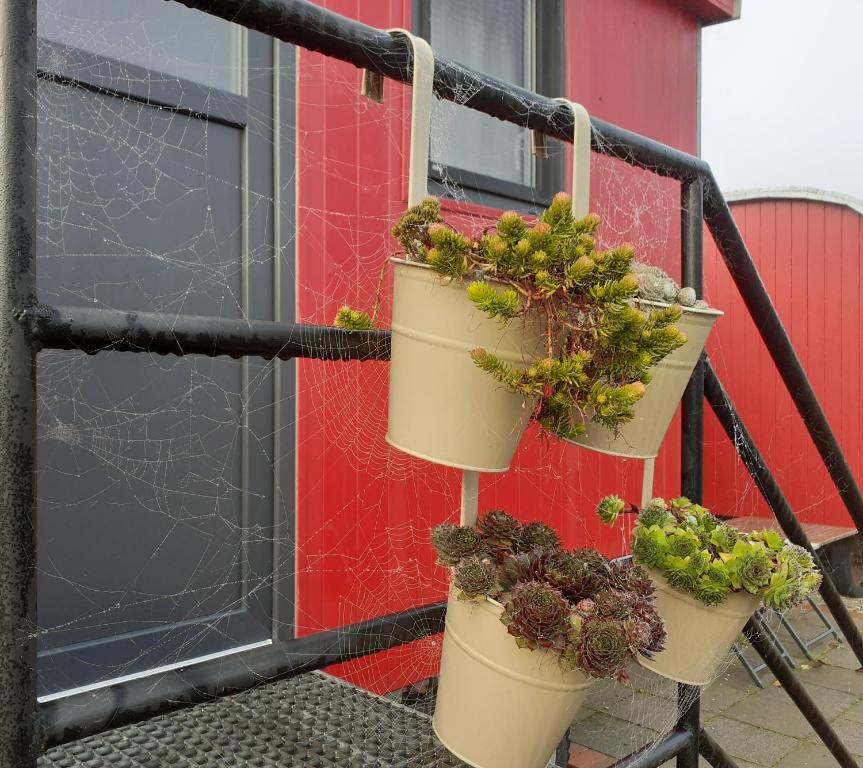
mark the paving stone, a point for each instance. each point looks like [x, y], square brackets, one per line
[582, 757]
[837, 678]
[748, 742]
[702, 763]
[778, 716]
[610, 735]
[831, 702]
[583, 713]
[772, 709]
[655, 712]
[717, 697]
[854, 711]
[841, 656]
[736, 676]
[606, 693]
[644, 681]
[849, 732]
[807, 756]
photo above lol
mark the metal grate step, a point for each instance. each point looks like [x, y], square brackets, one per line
[309, 721]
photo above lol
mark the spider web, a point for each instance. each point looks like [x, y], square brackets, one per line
[189, 506]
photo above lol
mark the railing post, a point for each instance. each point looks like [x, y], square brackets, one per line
[692, 438]
[692, 435]
[18, 732]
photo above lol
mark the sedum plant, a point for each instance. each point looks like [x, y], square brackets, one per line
[593, 614]
[699, 554]
[599, 345]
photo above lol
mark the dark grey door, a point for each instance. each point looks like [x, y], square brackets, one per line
[163, 522]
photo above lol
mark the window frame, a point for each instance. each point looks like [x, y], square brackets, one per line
[548, 66]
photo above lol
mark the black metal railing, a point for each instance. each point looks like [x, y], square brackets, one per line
[26, 327]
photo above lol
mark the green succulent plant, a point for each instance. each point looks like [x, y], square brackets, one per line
[609, 508]
[603, 646]
[699, 554]
[600, 343]
[655, 513]
[354, 320]
[749, 566]
[455, 542]
[594, 615]
[724, 537]
[475, 578]
[537, 534]
[650, 546]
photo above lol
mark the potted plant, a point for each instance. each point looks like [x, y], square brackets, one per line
[641, 436]
[710, 578]
[526, 319]
[529, 626]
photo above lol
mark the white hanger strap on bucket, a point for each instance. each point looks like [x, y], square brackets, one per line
[580, 159]
[421, 101]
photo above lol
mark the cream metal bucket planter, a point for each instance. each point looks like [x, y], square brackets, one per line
[442, 407]
[498, 705]
[642, 437]
[699, 636]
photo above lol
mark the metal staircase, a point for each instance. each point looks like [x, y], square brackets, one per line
[26, 328]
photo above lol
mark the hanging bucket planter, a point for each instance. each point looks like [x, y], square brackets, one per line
[699, 636]
[709, 578]
[442, 407]
[642, 437]
[498, 705]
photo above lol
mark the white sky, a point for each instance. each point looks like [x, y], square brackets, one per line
[782, 96]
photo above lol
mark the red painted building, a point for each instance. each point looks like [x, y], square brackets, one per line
[808, 246]
[362, 510]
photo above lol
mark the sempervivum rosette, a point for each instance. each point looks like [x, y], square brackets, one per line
[499, 530]
[700, 555]
[537, 534]
[536, 615]
[595, 616]
[602, 646]
[475, 578]
[455, 542]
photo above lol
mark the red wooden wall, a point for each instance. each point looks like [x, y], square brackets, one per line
[362, 510]
[808, 253]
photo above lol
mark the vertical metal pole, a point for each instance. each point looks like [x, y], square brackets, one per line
[692, 436]
[713, 753]
[692, 443]
[18, 733]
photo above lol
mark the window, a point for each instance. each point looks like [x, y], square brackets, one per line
[157, 36]
[520, 41]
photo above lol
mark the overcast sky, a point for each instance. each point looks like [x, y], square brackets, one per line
[782, 96]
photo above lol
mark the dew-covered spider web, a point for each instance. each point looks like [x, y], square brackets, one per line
[192, 507]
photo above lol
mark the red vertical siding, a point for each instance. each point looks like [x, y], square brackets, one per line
[363, 511]
[808, 253]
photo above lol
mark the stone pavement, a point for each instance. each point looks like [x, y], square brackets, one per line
[758, 727]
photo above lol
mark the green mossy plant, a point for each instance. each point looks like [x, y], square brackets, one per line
[593, 614]
[699, 554]
[599, 344]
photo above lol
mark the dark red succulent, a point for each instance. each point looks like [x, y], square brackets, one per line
[537, 615]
